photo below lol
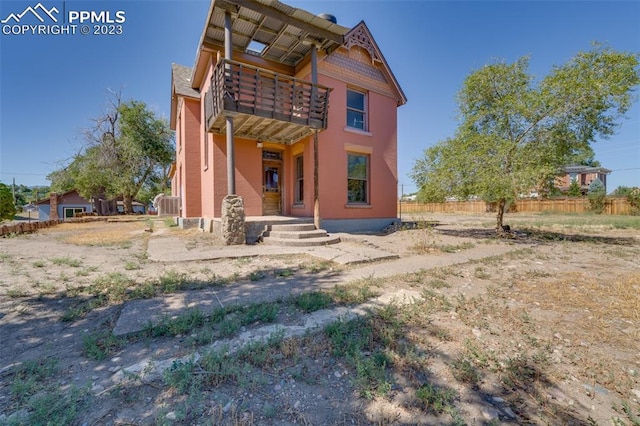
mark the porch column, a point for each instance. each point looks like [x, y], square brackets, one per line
[231, 155]
[232, 215]
[316, 199]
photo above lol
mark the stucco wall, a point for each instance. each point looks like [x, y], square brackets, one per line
[191, 204]
[207, 165]
[248, 161]
[304, 209]
[379, 142]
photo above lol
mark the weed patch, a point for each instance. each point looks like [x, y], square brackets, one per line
[314, 301]
[66, 261]
[436, 399]
[34, 393]
[38, 264]
[101, 345]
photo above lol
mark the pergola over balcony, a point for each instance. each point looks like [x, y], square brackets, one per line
[264, 104]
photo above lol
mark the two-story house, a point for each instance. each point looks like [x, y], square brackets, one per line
[289, 114]
[582, 175]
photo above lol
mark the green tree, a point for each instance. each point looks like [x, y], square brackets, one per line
[127, 149]
[62, 180]
[30, 194]
[590, 162]
[574, 189]
[516, 134]
[7, 206]
[622, 191]
[597, 195]
[144, 148]
[633, 198]
[632, 194]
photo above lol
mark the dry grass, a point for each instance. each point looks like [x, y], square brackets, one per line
[611, 306]
[99, 233]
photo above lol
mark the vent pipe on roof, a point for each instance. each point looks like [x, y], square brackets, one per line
[329, 17]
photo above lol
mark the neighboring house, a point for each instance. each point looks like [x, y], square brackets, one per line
[584, 175]
[62, 206]
[67, 204]
[138, 207]
[254, 110]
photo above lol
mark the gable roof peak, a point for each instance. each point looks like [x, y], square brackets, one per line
[360, 36]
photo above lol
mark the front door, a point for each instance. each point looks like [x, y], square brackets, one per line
[271, 188]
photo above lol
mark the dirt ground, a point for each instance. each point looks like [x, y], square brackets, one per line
[548, 333]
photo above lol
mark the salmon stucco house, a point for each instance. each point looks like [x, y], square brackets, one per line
[288, 114]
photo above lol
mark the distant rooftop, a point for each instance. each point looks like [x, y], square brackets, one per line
[576, 168]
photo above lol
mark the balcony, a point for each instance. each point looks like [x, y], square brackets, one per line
[264, 105]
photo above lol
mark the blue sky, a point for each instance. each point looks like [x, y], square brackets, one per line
[51, 86]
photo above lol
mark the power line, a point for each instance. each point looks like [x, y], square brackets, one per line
[24, 174]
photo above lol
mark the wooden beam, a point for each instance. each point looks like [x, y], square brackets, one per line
[226, 6]
[283, 17]
[254, 60]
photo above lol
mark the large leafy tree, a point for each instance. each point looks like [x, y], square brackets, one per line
[7, 206]
[29, 194]
[516, 133]
[144, 149]
[127, 150]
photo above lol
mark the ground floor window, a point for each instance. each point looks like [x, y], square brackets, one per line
[357, 178]
[299, 183]
[71, 211]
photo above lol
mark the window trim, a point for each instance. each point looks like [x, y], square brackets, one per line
[367, 180]
[298, 196]
[364, 112]
[358, 131]
[205, 152]
[74, 211]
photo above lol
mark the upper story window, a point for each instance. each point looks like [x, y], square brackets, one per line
[356, 110]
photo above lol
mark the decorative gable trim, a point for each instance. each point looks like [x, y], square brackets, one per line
[360, 36]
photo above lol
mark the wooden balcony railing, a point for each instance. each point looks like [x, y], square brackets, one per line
[265, 105]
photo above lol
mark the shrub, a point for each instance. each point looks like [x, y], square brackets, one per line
[574, 189]
[597, 195]
[7, 206]
[633, 198]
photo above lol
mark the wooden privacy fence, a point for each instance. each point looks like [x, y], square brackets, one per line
[613, 206]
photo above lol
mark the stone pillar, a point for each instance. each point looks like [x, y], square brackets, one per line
[233, 231]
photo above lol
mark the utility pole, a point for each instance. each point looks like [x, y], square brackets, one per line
[14, 192]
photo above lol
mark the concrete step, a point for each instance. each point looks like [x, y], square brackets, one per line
[291, 227]
[302, 242]
[297, 235]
